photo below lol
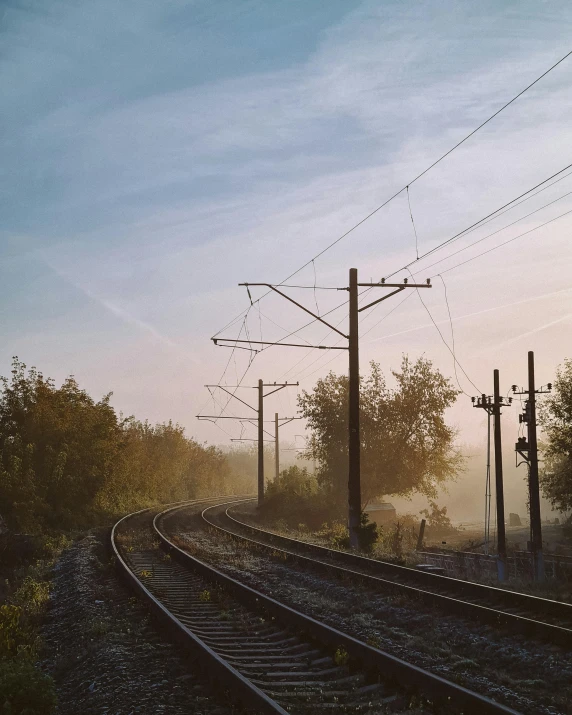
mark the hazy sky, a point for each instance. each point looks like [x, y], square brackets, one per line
[156, 154]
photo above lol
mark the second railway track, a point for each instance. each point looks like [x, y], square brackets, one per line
[273, 658]
[531, 616]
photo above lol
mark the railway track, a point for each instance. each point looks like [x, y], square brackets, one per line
[270, 657]
[531, 616]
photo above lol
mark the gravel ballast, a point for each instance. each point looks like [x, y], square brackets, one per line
[531, 677]
[104, 654]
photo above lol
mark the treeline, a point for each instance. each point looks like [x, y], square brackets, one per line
[68, 461]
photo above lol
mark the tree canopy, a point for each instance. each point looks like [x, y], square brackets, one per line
[556, 420]
[67, 460]
[406, 445]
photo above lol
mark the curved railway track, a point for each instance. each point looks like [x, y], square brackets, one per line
[520, 613]
[272, 658]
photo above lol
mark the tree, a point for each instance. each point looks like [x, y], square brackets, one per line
[67, 461]
[406, 445]
[556, 420]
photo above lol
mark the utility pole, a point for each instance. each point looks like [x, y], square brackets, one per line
[354, 476]
[276, 448]
[529, 451]
[501, 534]
[260, 421]
[354, 445]
[493, 408]
[260, 442]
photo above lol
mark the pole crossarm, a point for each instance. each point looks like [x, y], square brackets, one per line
[279, 387]
[246, 439]
[237, 347]
[235, 397]
[307, 310]
[268, 342]
[223, 417]
[398, 288]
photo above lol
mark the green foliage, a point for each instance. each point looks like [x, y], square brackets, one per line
[335, 534]
[67, 461]
[24, 690]
[406, 445]
[32, 594]
[367, 534]
[294, 482]
[556, 420]
[438, 522]
[295, 498]
[11, 634]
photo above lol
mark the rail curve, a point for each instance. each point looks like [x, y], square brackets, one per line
[518, 612]
[273, 658]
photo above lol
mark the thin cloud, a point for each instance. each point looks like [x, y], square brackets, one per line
[111, 307]
[479, 312]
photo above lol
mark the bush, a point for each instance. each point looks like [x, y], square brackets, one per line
[294, 498]
[32, 594]
[367, 534]
[438, 522]
[335, 534]
[10, 630]
[24, 690]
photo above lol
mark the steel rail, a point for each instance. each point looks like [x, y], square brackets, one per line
[517, 623]
[245, 691]
[407, 675]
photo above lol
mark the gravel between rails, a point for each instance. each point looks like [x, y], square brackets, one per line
[105, 656]
[531, 677]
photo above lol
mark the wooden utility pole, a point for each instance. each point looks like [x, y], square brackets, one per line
[535, 519]
[493, 407]
[528, 449]
[276, 447]
[501, 534]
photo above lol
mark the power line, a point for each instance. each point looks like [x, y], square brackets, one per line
[481, 221]
[484, 238]
[412, 181]
[510, 240]
[452, 331]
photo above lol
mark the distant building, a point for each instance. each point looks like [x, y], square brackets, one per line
[383, 513]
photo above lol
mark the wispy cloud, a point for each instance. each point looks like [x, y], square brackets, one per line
[110, 306]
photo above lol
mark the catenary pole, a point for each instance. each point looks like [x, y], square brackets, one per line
[354, 483]
[260, 442]
[501, 568]
[354, 486]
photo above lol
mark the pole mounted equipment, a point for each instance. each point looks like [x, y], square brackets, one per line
[528, 450]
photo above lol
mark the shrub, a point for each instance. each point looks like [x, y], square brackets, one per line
[24, 690]
[10, 630]
[367, 534]
[32, 594]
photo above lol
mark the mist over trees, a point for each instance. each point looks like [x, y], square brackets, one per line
[68, 461]
[406, 445]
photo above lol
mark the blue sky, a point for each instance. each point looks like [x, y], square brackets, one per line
[155, 154]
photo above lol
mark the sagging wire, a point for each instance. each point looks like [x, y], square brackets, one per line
[315, 282]
[445, 343]
[452, 330]
[413, 222]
